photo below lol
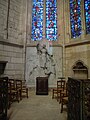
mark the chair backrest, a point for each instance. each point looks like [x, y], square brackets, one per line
[9, 87]
[61, 84]
[18, 84]
[24, 83]
[13, 84]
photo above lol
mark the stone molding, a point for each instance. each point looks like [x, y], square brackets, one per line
[77, 43]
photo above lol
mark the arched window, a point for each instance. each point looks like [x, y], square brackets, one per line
[38, 19]
[87, 15]
[75, 18]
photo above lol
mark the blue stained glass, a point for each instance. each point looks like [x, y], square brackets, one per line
[51, 20]
[87, 15]
[37, 20]
[75, 18]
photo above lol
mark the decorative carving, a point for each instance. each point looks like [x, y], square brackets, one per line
[79, 65]
[46, 64]
[80, 70]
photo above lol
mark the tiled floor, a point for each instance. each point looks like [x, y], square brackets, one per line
[37, 107]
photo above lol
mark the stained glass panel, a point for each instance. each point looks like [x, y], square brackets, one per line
[37, 20]
[87, 15]
[51, 19]
[75, 18]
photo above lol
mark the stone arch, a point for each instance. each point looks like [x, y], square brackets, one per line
[80, 70]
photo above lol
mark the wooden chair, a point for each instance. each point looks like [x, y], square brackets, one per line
[64, 92]
[19, 87]
[64, 102]
[13, 92]
[56, 91]
[64, 97]
[24, 91]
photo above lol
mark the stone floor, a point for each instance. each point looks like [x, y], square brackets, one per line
[37, 107]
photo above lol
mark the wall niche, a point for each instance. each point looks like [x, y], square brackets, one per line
[80, 70]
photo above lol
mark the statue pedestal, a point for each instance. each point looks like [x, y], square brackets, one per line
[42, 86]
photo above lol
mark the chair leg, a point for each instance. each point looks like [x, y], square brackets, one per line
[27, 92]
[61, 96]
[17, 96]
[53, 94]
[20, 94]
[61, 107]
[58, 95]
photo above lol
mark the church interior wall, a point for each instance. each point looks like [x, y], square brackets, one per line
[75, 53]
[20, 52]
[75, 48]
[12, 37]
[15, 62]
[54, 47]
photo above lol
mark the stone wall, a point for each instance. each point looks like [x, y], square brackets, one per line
[15, 61]
[75, 53]
[13, 36]
[9, 20]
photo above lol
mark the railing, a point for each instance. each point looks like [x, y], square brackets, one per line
[78, 99]
[3, 98]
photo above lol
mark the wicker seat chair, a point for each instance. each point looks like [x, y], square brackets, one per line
[64, 97]
[56, 91]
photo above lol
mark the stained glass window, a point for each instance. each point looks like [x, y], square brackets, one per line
[75, 18]
[51, 20]
[37, 20]
[87, 15]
